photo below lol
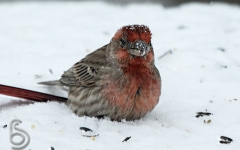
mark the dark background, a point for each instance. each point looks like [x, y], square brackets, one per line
[170, 3]
[166, 3]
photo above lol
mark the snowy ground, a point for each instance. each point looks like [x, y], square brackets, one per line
[201, 74]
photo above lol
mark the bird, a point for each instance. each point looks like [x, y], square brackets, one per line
[118, 80]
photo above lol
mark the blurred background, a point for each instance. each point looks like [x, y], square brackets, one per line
[165, 3]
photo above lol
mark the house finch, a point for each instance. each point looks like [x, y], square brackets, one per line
[118, 80]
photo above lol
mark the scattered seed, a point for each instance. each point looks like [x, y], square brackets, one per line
[221, 49]
[197, 116]
[86, 132]
[33, 126]
[5, 126]
[181, 27]
[85, 129]
[87, 50]
[51, 148]
[224, 67]
[91, 135]
[50, 70]
[207, 122]
[92, 138]
[126, 139]
[37, 76]
[225, 140]
[200, 114]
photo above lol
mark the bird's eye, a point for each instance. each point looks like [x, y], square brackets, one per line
[123, 42]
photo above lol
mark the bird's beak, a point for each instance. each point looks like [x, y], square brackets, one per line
[139, 48]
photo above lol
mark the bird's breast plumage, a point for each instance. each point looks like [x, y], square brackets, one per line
[136, 91]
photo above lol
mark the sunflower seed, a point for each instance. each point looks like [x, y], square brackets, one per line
[126, 139]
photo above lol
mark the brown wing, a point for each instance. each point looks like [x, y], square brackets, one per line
[87, 71]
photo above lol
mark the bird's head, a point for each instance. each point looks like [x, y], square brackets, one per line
[132, 41]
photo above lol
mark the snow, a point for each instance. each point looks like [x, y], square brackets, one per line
[202, 73]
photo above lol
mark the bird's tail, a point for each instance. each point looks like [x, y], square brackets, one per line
[51, 83]
[29, 95]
